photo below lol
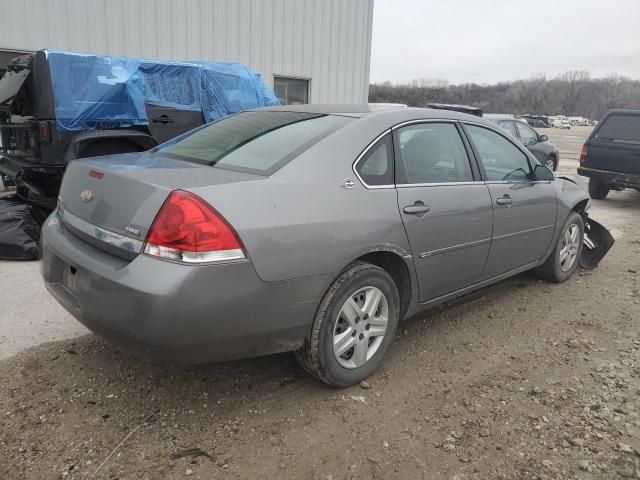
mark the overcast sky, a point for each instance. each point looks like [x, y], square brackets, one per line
[486, 41]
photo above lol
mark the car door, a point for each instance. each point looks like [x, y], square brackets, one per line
[529, 138]
[524, 211]
[445, 207]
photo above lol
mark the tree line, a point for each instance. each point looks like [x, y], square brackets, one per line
[574, 93]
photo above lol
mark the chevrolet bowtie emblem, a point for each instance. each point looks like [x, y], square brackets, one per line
[86, 195]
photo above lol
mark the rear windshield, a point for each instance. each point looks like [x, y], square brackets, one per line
[621, 128]
[256, 142]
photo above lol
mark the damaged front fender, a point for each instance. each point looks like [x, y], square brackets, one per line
[597, 243]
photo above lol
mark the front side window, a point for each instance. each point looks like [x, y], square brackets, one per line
[376, 166]
[431, 153]
[527, 134]
[291, 91]
[502, 160]
[256, 142]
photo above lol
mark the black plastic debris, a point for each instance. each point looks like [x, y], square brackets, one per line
[19, 230]
[597, 242]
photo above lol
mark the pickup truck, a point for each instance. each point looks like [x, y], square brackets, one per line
[610, 158]
[59, 106]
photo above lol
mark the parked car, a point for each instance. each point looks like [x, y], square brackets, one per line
[562, 124]
[537, 121]
[610, 157]
[311, 228]
[457, 108]
[544, 151]
[59, 106]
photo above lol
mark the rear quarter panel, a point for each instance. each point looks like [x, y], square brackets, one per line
[302, 221]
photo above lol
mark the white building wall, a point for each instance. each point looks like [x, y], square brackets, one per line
[326, 41]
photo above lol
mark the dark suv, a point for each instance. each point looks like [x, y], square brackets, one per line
[611, 155]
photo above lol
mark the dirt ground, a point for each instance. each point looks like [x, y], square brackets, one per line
[524, 379]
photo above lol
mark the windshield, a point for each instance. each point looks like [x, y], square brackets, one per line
[256, 142]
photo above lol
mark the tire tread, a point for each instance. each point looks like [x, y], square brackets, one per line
[309, 355]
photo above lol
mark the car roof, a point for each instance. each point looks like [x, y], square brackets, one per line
[499, 116]
[356, 110]
[622, 111]
[381, 109]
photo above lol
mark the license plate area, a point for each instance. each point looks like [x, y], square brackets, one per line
[70, 277]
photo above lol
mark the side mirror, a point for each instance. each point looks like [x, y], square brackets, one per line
[543, 138]
[542, 174]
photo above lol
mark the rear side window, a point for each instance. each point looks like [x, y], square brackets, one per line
[620, 128]
[256, 142]
[376, 166]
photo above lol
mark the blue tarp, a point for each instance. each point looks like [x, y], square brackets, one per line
[97, 92]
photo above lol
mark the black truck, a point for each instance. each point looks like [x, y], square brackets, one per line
[610, 158]
[59, 106]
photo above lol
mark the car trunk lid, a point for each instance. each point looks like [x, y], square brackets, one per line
[112, 201]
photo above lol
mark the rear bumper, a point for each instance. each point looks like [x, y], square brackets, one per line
[177, 314]
[619, 179]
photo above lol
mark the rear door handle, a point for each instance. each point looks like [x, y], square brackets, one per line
[164, 119]
[416, 209]
[505, 201]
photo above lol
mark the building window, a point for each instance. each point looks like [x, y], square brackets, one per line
[291, 91]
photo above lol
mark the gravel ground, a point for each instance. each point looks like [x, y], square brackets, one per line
[524, 379]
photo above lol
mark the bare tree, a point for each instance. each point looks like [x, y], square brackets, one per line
[532, 93]
[573, 84]
[571, 93]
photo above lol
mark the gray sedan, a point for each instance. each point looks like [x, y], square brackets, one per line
[312, 229]
[544, 151]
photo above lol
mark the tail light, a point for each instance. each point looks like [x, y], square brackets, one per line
[45, 132]
[583, 155]
[187, 229]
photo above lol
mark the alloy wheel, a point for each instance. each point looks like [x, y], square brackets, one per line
[360, 327]
[570, 247]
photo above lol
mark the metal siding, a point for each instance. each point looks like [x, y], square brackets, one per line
[326, 41]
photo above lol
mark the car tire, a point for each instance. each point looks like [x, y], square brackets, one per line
[598, 190]
[556, 267]
[338, 325]
[551, 162]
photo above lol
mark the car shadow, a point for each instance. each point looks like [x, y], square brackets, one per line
[624, 200]
[93, 359]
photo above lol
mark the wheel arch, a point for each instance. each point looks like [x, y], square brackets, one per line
[581, 207]
[399, 265]
[397, 262]
[397, 268]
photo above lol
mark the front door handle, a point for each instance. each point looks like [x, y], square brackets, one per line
[505, 201]
[417, 208]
